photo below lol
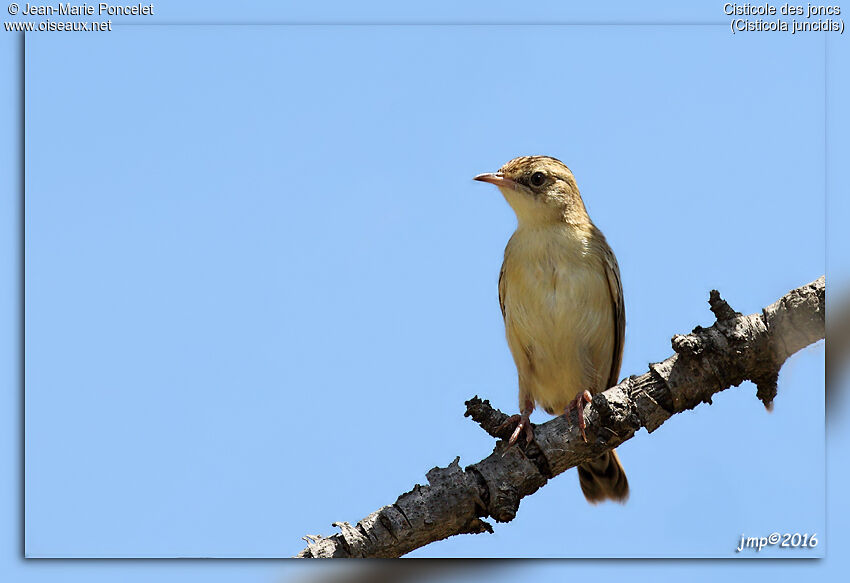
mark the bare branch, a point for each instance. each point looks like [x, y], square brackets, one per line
[706, 361]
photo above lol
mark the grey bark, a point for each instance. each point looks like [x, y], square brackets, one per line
[706, 361]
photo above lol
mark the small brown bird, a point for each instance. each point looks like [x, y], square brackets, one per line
[562, 302]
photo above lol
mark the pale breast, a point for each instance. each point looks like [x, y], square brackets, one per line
[559, 317]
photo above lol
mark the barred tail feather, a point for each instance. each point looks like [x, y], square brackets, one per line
[604, 479]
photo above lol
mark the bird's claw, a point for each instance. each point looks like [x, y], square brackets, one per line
[522, 425]
[578, 403]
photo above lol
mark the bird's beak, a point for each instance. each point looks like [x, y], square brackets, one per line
[495, 178]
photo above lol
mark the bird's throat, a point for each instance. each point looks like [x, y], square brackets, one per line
[531, 211]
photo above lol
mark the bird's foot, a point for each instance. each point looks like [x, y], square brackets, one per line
[578, 403]
[523, 424]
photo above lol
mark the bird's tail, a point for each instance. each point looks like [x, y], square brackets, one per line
[604, 479]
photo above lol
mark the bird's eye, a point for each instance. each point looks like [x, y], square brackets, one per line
[537, 179]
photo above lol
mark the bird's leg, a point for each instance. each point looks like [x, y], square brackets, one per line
[578, 403]
[522, 424]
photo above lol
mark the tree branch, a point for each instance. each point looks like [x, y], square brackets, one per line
[706, 361]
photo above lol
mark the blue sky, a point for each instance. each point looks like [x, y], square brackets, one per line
[259, 274]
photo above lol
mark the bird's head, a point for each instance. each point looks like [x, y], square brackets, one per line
[540, 189]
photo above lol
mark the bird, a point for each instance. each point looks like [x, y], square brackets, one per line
[562, 303]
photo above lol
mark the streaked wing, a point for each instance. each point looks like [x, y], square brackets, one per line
[615, 287]
[502, 290]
